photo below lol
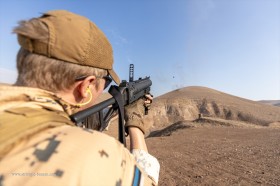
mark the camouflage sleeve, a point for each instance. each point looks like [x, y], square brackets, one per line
[148, 163]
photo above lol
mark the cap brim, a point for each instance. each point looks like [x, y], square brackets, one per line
[114, 76]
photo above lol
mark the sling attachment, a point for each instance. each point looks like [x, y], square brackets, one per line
[115, 91]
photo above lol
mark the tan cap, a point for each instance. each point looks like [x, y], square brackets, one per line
[73, 38]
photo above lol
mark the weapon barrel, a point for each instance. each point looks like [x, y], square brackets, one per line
[141, 85]
[81, 115]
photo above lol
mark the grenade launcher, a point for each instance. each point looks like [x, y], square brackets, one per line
[122, 95]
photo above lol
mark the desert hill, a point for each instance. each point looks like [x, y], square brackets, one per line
[271, 102]
[235, 142]
[187, 103]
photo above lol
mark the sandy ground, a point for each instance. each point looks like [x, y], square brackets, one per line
[207, 153]
[218, 155]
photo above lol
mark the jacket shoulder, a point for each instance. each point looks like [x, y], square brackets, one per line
[17, 124]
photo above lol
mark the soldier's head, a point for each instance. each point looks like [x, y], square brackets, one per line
[61, 49]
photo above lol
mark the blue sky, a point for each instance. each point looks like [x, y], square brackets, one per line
[228, 45]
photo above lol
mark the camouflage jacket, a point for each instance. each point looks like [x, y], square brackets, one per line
[40, 145]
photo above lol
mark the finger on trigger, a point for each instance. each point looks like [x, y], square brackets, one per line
[149, 96]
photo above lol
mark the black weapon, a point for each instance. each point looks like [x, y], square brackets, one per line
[124, 94]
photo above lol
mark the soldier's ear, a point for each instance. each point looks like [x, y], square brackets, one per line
[86, 85]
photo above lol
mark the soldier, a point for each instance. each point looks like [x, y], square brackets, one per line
[64, 63]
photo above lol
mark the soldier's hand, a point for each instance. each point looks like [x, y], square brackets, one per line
[135, 114]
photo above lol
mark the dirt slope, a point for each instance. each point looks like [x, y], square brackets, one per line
[189, 102]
